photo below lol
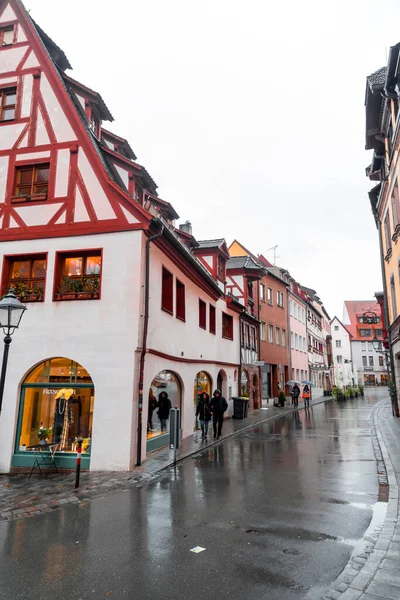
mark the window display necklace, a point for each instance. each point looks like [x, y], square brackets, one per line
[61, 411]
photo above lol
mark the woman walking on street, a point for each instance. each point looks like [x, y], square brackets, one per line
[203, 412]
[296, 394]
[164, 406]
[306, 396]
[218, 406]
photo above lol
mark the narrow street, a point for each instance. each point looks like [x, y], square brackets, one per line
[279, 510]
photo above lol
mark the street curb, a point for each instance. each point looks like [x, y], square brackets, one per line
[288, 411]
[362, 568]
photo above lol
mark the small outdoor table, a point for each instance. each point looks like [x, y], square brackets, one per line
[44, 455]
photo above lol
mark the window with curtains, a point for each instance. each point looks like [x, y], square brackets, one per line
[388, 235]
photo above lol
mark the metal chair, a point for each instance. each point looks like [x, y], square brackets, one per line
[44, 458]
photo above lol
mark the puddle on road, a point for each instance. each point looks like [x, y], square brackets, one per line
[378, 517]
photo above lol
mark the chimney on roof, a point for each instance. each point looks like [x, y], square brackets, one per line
[186, 227]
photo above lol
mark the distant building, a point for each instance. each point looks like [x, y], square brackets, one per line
[363, 321]
[344, 372]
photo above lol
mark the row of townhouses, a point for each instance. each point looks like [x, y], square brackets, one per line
[123, 303]
[382, 103]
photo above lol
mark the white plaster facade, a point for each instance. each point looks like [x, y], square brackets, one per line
[344, 373]
[298, 338]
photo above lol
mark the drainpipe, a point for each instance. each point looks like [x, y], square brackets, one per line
[386, 319]
[144, 343]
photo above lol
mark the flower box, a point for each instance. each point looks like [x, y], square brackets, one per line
[77, 296]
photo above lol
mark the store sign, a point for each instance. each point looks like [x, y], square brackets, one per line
[49, 392]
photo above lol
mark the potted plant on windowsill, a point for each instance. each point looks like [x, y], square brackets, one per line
[20, 198]
[43, 433]
[78, 289]
[26, 293]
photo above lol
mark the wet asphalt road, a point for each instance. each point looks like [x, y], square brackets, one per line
[277, 508]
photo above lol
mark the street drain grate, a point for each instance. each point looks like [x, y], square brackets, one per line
[253, 531]
[292, 552]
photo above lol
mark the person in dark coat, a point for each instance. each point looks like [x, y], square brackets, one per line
[203, 412]
[218, 406]
[164, 406]
[152, 407]
[296, 394]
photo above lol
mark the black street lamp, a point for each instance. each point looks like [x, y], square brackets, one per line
[377, 345]
[11, 311]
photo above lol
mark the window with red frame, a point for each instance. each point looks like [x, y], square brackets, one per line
[221, 268]
[6, 35]
[202, 314]
[8, 99]
[78, 275]
[31, 183]
[213, 325]
[180, 312]
[227, 326]
[26, 275]
[167, 291]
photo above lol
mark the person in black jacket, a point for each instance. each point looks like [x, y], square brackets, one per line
[164, 406]
[203, 412]
[218, 406]
[296, 394]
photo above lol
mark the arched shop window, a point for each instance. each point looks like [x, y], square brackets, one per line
[165, 381]
[202, 383]
[58, 396]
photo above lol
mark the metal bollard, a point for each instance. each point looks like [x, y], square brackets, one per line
[78, 462]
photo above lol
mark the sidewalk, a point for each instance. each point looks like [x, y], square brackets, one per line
[23, 497]
[375, 573]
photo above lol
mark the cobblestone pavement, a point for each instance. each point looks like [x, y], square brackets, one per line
[21, 497]
[374, 573]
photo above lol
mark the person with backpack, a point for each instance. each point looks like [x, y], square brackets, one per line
[218, 406]
[164, 406]
[203, 412]
[295, 394]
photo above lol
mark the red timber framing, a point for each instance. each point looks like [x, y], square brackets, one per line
[121, 213]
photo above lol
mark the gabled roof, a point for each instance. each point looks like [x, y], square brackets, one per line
[122, 142]
[356, 308]
[377, 79]
[264, 260]
[95, 97]
[58, 56]
[163, 206]
[344, 326]
[243, 262]
[218, 244]
[391, 78]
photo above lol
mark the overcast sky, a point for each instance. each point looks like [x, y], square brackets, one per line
[248, 115]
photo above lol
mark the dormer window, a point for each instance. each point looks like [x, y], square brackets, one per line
[138, 194]
[8, 98]
[6, 35]
[94, 124]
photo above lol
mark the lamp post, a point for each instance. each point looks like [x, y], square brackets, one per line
[11, 311]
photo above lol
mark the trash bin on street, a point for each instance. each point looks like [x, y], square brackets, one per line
[240, 408]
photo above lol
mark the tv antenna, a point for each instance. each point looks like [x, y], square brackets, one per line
[274, 249]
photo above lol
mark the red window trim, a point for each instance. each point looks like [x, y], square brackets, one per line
[58, 263]
[170, 311]
[202, 314]
[6, 270]
[182, 286]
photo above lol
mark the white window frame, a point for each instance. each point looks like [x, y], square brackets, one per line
[263, 327]
[262, 292]
[283, 337]
[277, 336]
[271, 334]
[270, 297]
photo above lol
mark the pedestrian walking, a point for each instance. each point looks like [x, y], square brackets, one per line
[218, 406]
[164, 406]
[203, 412]
[306, 396]
[152, 407]
[295, 394]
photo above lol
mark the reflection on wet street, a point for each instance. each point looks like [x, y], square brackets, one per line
[278, 508]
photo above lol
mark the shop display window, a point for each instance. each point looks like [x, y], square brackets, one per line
[58, 396]
[168, 382]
